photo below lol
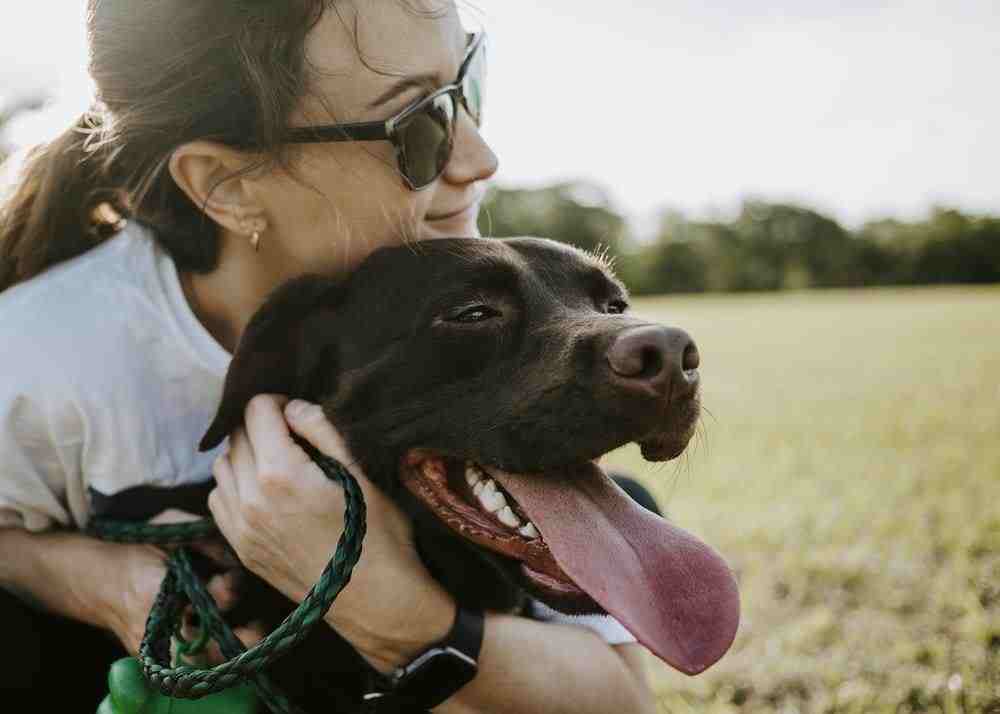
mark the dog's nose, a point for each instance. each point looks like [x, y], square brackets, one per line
[657, 359]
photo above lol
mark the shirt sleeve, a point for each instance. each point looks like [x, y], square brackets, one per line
[612, 631]
[40, 447]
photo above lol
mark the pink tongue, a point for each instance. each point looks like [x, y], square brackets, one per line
[673, 592]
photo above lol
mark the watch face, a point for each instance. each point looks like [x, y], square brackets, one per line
[435, 676]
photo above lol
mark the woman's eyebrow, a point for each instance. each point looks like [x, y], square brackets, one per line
[422, 81]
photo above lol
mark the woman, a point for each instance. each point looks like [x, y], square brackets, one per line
[109, 391]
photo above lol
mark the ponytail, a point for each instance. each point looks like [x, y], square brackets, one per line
[60, 205]
[57, 208]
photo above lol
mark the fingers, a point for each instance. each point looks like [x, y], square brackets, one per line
[173, 515]
[249, 635]
[169, 517]
[225, 479]
[224, 589]
[263, 448]
[261, 444]
[268, 434]
[242, 461]
[212, 655]
[224, 498]
[308, 421]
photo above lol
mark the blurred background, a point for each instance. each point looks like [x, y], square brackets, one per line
[820, 181]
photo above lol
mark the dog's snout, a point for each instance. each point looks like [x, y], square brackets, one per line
[657, 359]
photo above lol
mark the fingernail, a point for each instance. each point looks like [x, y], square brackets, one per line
[296, 408]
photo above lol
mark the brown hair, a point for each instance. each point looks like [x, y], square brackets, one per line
[166, 72]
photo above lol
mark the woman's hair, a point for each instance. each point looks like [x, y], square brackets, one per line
[166, 72]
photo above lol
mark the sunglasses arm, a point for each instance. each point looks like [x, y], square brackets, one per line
[364, 131]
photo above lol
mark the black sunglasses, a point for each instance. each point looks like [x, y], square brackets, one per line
[423, 133]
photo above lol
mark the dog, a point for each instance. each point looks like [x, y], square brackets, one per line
[458, 369]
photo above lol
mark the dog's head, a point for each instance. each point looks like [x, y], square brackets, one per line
[477, 382]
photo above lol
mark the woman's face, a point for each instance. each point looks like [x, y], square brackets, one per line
[348, 198]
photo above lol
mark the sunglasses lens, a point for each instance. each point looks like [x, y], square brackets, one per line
[473, 84]
[426, 140]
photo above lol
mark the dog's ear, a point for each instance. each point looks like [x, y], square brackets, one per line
[281, 351]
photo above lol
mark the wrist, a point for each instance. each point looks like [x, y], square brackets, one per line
[437, 673]
[103, 601]
[396, 635]
[119, 598]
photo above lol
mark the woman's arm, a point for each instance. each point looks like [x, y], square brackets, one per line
[283, 517]
[108, 585]
[67, 573]
[528, 667]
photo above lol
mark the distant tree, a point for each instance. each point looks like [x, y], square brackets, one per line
[794, 246]
[767, 247]
[949, 247]
[677, 261]
[674, 267]
[958, 249]
[579, 213]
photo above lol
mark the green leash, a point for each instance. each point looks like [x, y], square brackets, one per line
[182, 586]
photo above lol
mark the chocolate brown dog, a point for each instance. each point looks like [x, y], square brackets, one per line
[477, 382]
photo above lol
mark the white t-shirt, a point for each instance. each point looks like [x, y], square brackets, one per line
[108, 381]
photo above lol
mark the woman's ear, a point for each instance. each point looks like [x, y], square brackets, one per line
[206, 172]
[287, 348]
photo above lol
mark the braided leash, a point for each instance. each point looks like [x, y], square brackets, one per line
[182, 586]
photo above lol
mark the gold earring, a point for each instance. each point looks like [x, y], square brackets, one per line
[255, 241]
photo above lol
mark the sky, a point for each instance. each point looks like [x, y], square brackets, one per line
[860, 109]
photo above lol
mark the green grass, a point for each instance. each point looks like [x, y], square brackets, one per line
[848, 467]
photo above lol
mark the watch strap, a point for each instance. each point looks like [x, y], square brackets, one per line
[394, 692]
[466, 633]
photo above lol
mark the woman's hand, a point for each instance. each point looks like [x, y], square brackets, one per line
[142, 569]
[283, 517]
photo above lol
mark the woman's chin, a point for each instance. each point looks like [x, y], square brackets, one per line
[450, 228]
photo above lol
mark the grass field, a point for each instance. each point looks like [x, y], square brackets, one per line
[849, 470]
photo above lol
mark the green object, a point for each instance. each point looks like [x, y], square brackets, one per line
[130, 693]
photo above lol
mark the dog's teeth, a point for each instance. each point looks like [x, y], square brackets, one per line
[529, 530]
[508, 518]
[491, 498]
[472, 475]
[479, 487]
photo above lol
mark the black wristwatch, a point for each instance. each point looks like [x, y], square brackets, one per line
[433, 675]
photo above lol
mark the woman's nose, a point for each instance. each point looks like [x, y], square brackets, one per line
[472, 159]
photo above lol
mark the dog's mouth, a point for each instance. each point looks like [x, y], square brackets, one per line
[584, 545]
[467, 497]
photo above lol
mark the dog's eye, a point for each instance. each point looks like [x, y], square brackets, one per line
[617, 307]
[476, 313]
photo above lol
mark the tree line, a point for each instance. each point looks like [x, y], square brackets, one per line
[767, 246]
